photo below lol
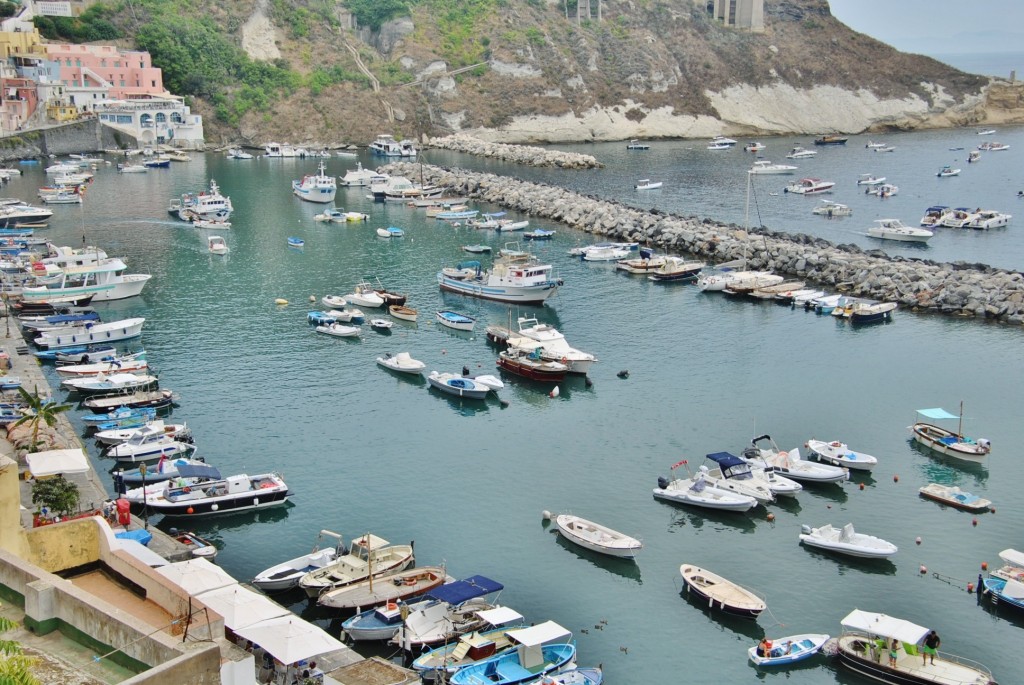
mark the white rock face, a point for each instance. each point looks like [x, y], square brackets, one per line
[515, 70]
[259, 36]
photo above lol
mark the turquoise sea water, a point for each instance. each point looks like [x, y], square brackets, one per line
[364, 450]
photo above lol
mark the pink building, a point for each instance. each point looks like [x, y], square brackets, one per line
[121, 74]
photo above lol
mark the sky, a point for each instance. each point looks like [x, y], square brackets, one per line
[938, 27]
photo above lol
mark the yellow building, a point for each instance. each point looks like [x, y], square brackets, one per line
[61, 112]
[21, 43]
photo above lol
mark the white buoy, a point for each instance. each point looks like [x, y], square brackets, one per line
[312, 298]
[280, 300]
[553, 393]
[546, 515]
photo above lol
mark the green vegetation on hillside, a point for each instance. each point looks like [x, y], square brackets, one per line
[93, 24]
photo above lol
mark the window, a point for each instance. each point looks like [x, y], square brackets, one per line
[117, 64]
[161, 118]
[78, 62]
[124, 118]
[175, 117]
[153, 84]
[146, 121]
[67, 62]
[122, 83]
[103, 62]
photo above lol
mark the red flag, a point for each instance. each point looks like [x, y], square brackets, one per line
[678, 464]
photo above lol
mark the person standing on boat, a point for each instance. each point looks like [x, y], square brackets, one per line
[931, 645]
[894, 652]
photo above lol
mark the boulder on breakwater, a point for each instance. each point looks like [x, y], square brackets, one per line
[520, 154]
[951, 288]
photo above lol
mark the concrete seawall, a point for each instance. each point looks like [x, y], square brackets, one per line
[957, 288]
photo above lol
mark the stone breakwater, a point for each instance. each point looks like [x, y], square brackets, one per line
[957, 288]
[520, 154]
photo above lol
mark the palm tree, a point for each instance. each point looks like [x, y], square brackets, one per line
[40, 410]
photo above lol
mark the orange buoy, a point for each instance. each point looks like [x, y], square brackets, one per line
[862, 486]
[970, 588]
[190, 510]
[984, 566]
[974, 521]
[924, 569]
[771, 516]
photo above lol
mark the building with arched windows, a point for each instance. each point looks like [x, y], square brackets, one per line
[153, 120]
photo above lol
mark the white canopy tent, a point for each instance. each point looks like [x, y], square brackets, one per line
[54, 462]
[540, 634]
[197, 575]
[290, 639]
[240, 606]
[885, 626]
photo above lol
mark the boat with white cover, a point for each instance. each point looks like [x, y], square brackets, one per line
[451, 610]
[696, 491]
[832, 209]
[765, 167]
[865, 644]
[934, 216]
[339, 330]
[597, 538]
[716, 592]
[894, 229]
[953, 496]
[115, 436]
[945, 441]
[318, 187]
[107, 383]
[286, 575]
[368, 554]
[402, 363]
[365, 295]
[163, 470]
[838, 454]
[847, 541]
[788, 650]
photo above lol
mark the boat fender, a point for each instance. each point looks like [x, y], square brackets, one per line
[805, 529]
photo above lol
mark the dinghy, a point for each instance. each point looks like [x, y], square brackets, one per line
[597, 538]
[286, 575]
[847, 541]
[698, 493]
[402, 363]
[339, 330]
[788, 650]
[790, 465]
[402, 312]
[954, 497]
[719, 593]
[838, 454]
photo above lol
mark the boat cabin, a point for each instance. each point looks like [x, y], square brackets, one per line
[732, 466]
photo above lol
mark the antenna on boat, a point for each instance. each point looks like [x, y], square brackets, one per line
[960, 425]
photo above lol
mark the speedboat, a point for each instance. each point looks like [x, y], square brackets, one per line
[788, 650]
[457, 385]
[945, 441]
[753, 147]
[954, 497]
[402, 363]
[698, 492]
[882, 190]
[635, 144]
[127, 362]
[339, 330]
[597, 538]
[810, 186]
[207, 498]
[947, 171]
[605, 254]
[847, 541]
[831, 140]
[676, 269]
[217, 245]
[368, 555]
[722, 140]
[893, 229]
[790, 465]
[365, 295]
[116, 436]
[718, 145]
[987, 218]
[934, 216]
[716, 592]
[764, 167]
[800, 153]
[165, 469]
[333, 301]
[362, 177]
[838, 454]
[286, 575]
[150, 444]
[530, 365]
[647, 184]
[871, 312]
[863, 648]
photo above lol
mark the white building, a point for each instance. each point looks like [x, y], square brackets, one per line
[153, 120]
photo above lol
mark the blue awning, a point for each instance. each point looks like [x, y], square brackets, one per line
[936, 413]
[199, 471]
[725, 460]
[463, 590]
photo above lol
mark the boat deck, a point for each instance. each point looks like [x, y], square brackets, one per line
[908, 666]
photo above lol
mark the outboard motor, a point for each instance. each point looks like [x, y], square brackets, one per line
[662, 482]
[752, 452]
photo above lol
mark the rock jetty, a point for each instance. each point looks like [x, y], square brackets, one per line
[957, 288]
[519, 154]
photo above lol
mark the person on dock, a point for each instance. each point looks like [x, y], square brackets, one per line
[931, 645]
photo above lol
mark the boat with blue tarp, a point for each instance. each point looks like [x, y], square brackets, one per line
[451, 611]
[529, 663]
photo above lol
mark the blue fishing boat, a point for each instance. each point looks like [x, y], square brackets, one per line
[320, 318]
[122, 417]
[1010, 592]
[533, 660]
[295, 242]
[82, 354]
[448, 216]
[539, 234]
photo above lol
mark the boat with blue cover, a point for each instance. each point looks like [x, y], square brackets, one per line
[450, 612]
[295, 242]
[120, 417]
[320, 318]
[533, 659]
[57, 321]
[167, 469]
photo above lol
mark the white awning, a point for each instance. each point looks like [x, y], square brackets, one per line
[290, 639]
[1012, 557]
[52, 462]
[500, 616]
[196, 575]
[1014, 589]
[540, 634]
[885, 626]
[242, 607]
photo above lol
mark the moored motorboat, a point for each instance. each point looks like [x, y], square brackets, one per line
[800, 153]
[838, 454]
[374, 591]
[869, 637]
[116, 436]
[736, 474]
[390, 232]
[697, 492]
[381, 325]
[765, 167]
[165, 469]
[647, 184]
[847, 541]
[787, 650]
[894, 229]
[121, 363]
[947, 171]
[286, 575]
[676, 269]
[402, 363]
[106, 383]
[789, 464]
[339, 330]
[530, 365]
[718, 593]
[156, 399]
[953, 496]
[232, 494]
[596, 537]
[810, 186]
[365, 295]
[333, 301]
[449, 611]
[459, 322]
[217, 245]
[295, 241]
[945, 441]
[515, 277]
[367, 555]
[481, 644]
[871, 312]
[831, 209]
[457, 385]
[831, 139]
[870, 180]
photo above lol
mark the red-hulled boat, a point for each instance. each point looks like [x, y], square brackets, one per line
[532, 367]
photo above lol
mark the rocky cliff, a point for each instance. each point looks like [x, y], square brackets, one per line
[522, 71]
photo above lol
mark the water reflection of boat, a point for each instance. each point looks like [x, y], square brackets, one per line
[876, 566]
[626, 568]
[950, 464]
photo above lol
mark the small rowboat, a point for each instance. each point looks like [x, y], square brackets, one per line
[401, 312]
[954, 497]
[197, 545]
[787, 650]
[459, 322]
[381, 324]
[476, 249]
[383, 589]
[339, 330]
[296, 242]
[720, 593]
[597, 538]
[390, 232]
[838, 454]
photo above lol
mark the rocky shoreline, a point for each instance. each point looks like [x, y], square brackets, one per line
[958, 288]
[518, 154]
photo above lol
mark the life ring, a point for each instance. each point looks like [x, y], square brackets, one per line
[565, 360]
[409, 581]
[186, 489]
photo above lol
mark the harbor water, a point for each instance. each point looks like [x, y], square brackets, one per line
[365, 450]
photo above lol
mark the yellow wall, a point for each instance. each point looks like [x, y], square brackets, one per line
[12, 535]
[64, 545]
[21, 43]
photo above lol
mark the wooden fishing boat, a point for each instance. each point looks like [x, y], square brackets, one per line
[373, 592]
[945, 441]
[402, 312]
[719, 593]
[954, 497]
[597, 538]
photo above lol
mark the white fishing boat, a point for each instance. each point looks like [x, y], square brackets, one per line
[647, 184]
[515, 277]
[365, 295]
[716, 592]
[865, 648]
[216, 497]
[402, 363]
[754, 146]
[217, 245]
[696, 491]
[883, 191]
[318, 187]
[211, 223]
[945, 441]
[102, 332]
[838, 454]
[764, 167]
[455, 320]
[205, 204]
[894, 229]
[460, 386]
[333, 301]
[339, 330]
[723, 140]
[597, 538]
[1013, 565]
[286, 575]
[847, 541]
[149, 444]
[953, 496]
[113, 364]
[362, 177]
